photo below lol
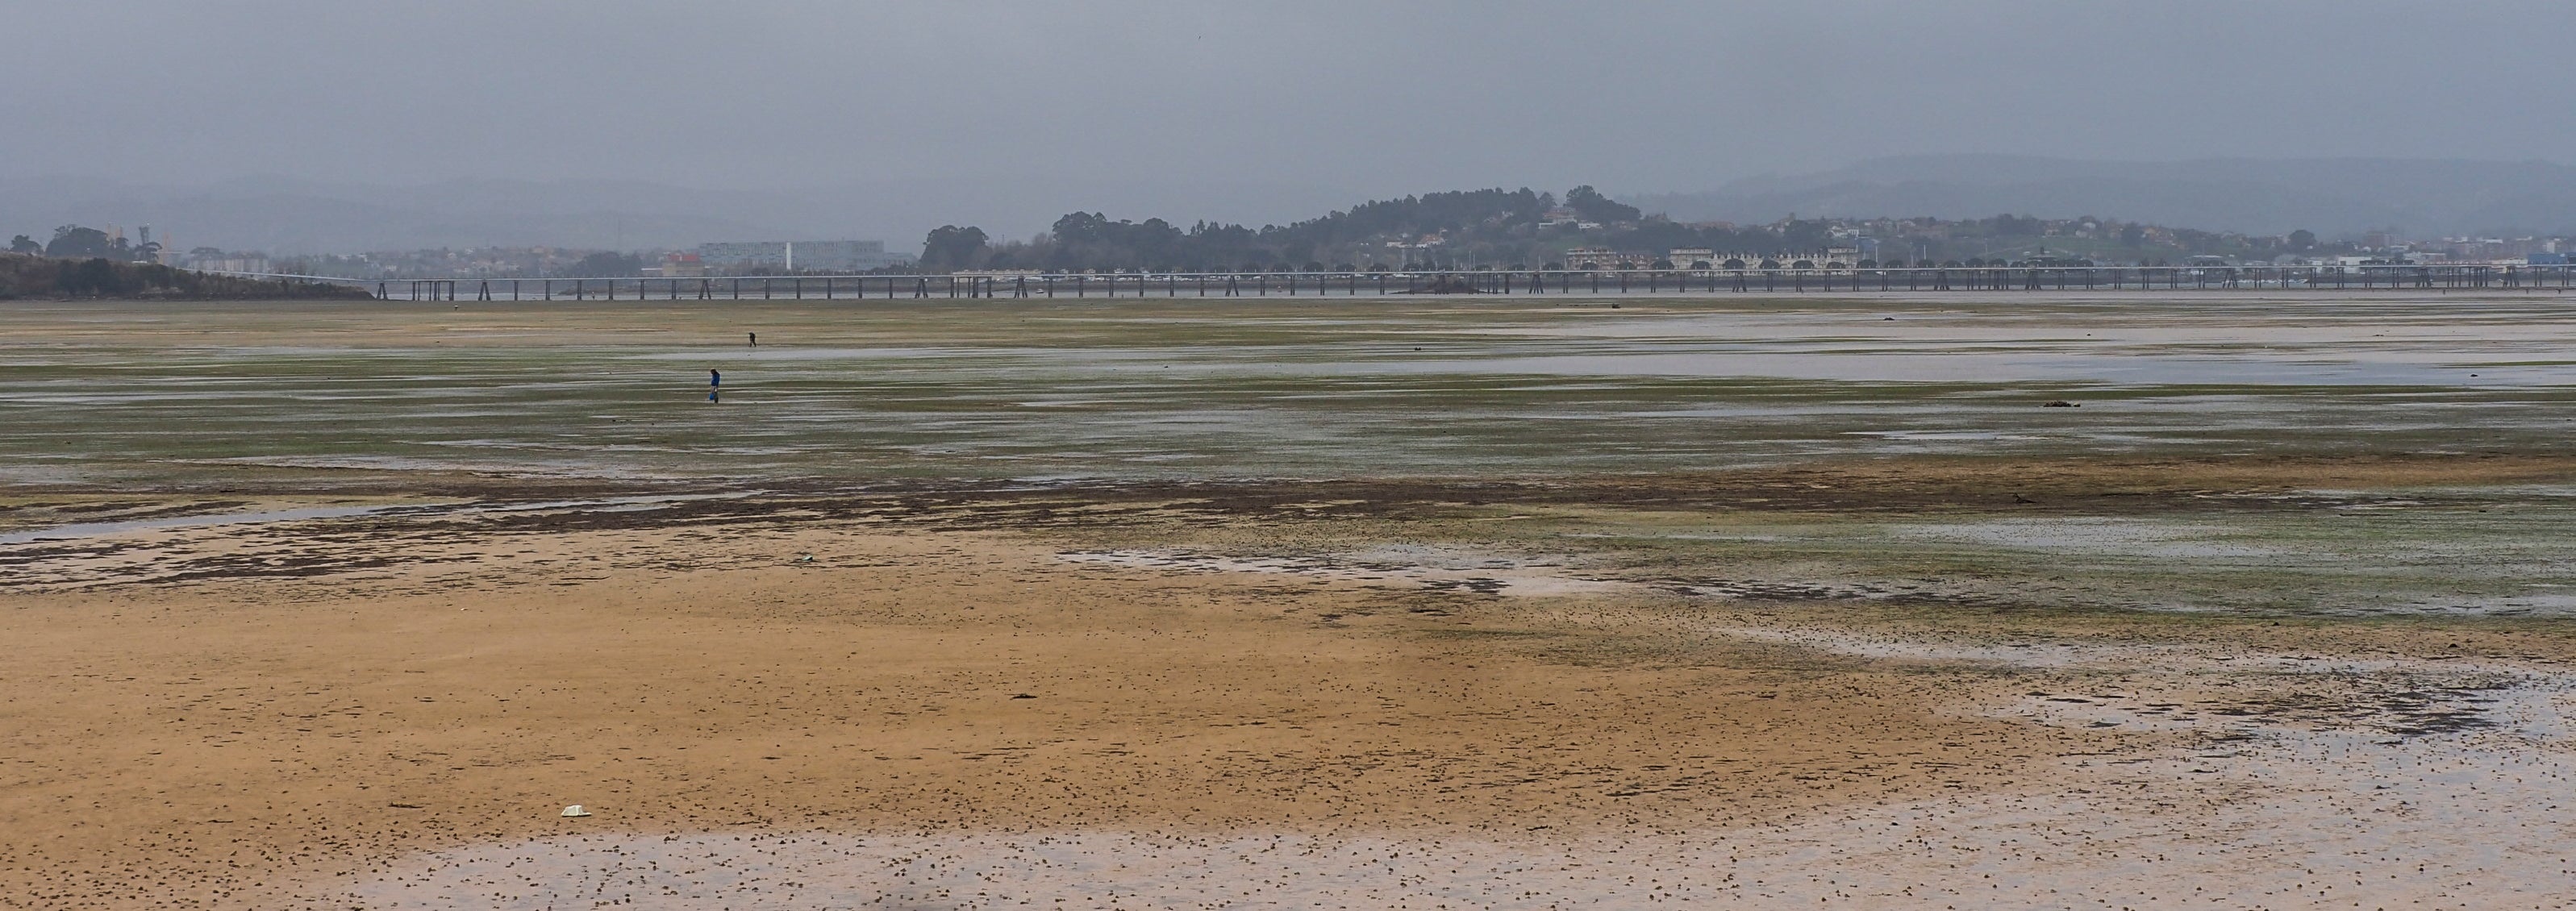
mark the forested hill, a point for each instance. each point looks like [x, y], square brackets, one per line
[1493, 226]
[23, 277]
[1083, 239]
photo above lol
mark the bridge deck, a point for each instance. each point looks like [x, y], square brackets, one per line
[1512, 282]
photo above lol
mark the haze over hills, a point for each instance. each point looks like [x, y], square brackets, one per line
[2331, 196]
[292, 216]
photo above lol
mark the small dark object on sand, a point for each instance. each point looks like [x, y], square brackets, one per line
[1022, 696]
[2061, 403]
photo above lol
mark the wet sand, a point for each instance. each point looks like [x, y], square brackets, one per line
[973, 699]
[227, 735]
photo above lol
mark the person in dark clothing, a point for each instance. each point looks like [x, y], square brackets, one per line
[715, 386]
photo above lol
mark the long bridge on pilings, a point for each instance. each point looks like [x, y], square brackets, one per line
[2446, 277]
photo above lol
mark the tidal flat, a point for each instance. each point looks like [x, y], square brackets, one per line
[1463, 602]
[1263, 388]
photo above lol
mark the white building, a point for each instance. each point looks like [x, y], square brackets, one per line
[230, 262]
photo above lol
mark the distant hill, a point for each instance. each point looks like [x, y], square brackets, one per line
[2331, 196]
[293, 216]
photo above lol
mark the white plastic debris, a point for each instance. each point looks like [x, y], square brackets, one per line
[575, 810]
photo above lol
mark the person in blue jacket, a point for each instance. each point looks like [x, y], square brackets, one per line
[715, 386]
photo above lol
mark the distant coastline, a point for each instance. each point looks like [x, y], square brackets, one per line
[24, 277]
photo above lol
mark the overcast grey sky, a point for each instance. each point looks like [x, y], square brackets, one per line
[1367, 97]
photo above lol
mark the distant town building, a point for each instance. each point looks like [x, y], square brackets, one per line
[207, 259]
[1593, 258]
[800, 255]
[683, 265]
[1689, 257]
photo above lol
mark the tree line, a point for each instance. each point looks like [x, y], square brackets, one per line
[100, 277]
[76, 242]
